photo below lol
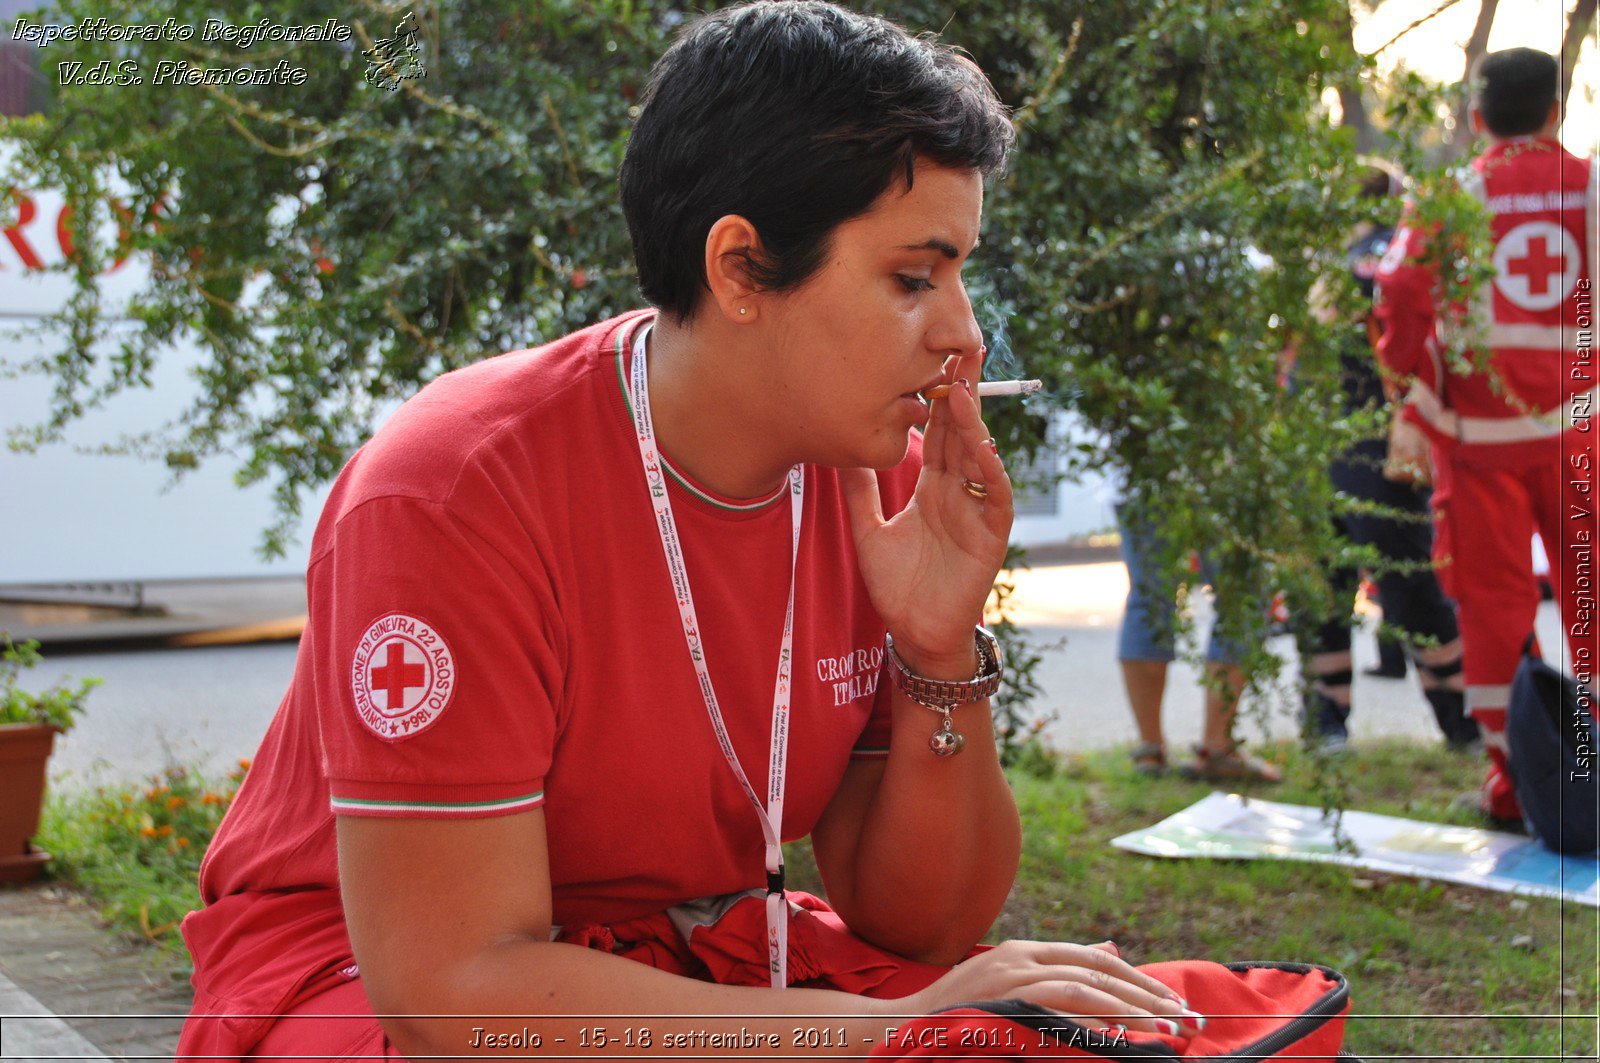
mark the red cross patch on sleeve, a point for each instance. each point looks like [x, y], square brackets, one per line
[402, 677]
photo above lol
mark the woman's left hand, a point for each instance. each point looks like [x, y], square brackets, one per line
[929, 570]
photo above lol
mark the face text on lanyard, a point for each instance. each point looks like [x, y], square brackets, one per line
[771, 816]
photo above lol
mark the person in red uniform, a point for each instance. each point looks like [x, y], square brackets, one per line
[594, 626]
[1510, 433]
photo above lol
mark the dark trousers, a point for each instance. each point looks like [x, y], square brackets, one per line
[1412, 598]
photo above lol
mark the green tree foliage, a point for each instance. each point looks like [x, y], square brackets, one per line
[1173, 201]
[334, 244]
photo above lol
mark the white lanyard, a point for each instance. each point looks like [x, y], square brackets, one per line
[772, 815]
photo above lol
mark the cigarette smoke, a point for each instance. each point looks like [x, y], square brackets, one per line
[1002, 362]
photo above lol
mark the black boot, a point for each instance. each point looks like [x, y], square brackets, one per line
[1326, 723]
[1449, 708]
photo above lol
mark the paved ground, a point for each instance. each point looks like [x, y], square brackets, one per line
[56, 960]
[1082, 605]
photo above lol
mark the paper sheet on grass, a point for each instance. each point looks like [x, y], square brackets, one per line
[1227, 827]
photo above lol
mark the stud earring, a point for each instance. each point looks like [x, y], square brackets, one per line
[743, 310]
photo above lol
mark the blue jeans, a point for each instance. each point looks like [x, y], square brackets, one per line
[1148, 620]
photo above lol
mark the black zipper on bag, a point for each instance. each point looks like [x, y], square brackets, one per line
[1045, 1021]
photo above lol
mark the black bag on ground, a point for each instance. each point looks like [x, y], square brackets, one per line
[1551, 734]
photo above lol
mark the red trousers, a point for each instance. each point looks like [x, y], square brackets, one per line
[1487, 514]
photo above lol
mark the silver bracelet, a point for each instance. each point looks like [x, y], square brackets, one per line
[942, 695]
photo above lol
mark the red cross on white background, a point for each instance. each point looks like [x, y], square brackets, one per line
[403, 658]
[395, 676]
[1536, 265]
[1539, 265]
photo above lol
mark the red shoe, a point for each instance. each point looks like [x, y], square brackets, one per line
[1500, 798]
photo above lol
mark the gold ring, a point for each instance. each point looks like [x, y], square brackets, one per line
[975, 489]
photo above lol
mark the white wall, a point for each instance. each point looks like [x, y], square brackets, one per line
[1074, 508]
[68, 516]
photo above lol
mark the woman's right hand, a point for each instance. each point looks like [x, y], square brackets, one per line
[1086, 982]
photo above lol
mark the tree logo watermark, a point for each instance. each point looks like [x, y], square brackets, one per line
[395, 59]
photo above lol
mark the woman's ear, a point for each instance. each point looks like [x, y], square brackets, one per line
[732, 247]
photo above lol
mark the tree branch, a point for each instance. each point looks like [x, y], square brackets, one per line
[1032, 106]
[1578, 25]
[1441, 9]
[1472, 51]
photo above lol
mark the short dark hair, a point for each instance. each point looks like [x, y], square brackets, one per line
[797, 115]
[1515, 88]
[1378, 179]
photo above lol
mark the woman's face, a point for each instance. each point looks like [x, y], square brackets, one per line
[853, 344]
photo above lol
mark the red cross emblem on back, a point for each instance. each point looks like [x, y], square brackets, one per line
[1536, 265]
[402, 676]
[1539, 266]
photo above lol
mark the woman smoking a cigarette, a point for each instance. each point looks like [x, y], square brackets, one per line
[594, 626]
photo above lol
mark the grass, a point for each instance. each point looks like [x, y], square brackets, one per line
[1415, 952]
[1433, 967]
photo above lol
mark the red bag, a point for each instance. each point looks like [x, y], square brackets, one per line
[1254, 1011]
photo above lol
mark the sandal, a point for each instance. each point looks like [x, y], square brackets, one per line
[1149, 759]
[1230, 765]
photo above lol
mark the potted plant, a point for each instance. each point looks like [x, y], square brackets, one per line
[29, 724]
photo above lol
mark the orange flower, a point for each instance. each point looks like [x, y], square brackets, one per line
[183, 843]
[175, 803]
[147, 832]
[164, 830]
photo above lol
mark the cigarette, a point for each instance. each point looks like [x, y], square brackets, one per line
[990, 389]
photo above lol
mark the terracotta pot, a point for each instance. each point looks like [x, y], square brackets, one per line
[24, 751]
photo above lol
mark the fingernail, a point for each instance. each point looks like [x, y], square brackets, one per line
[1194, 1018]
[983, 350]
[1176, 999]
[964, 382]
[1167, 1026]
[996, 448]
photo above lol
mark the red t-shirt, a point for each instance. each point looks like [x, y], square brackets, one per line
[493, 629]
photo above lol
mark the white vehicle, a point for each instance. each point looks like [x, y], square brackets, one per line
[68, 515]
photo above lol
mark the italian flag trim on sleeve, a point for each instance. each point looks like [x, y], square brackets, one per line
[364, 806]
